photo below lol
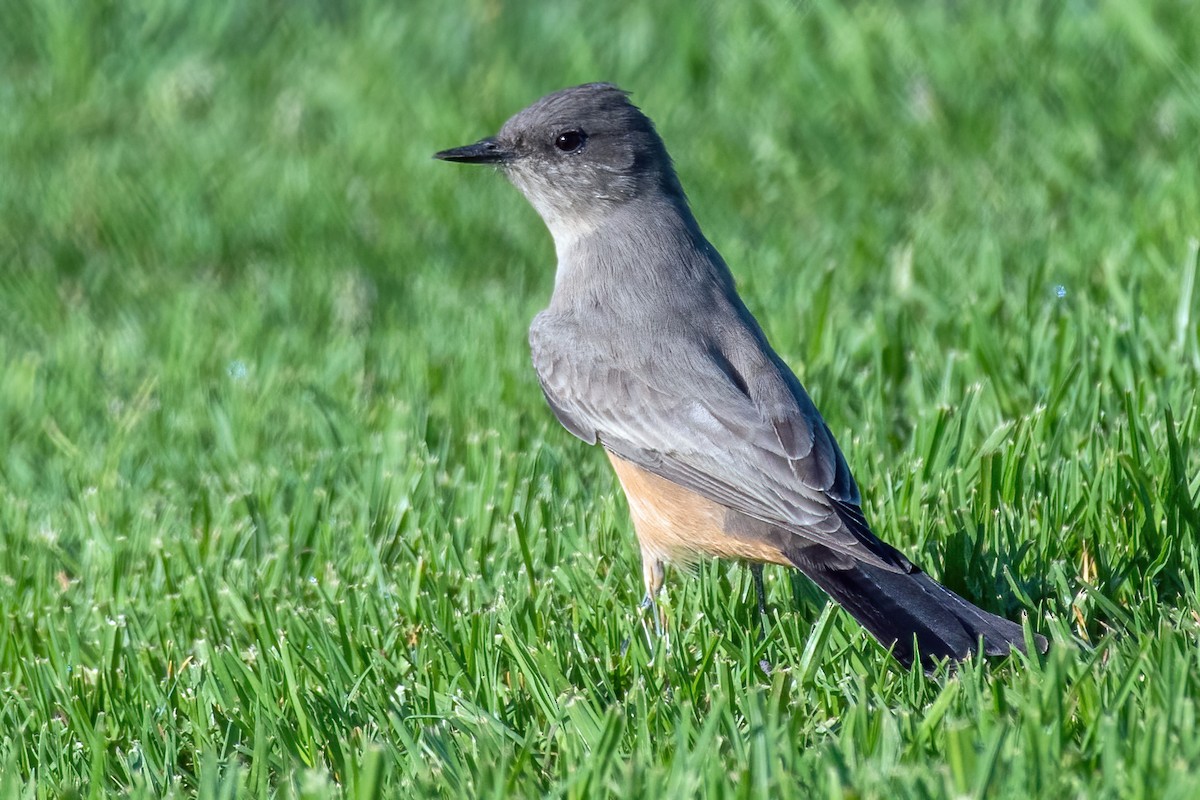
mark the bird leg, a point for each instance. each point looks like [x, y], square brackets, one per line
[756, 571]
[652, 575]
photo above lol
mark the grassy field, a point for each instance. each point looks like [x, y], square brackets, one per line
[283, 513]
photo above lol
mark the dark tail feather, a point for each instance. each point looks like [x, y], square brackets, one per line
[907, 611]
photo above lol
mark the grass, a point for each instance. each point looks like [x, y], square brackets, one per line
[282, 511]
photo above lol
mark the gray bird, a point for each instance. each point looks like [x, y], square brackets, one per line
[647, 349]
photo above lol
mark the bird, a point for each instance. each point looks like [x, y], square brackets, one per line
[647, 349]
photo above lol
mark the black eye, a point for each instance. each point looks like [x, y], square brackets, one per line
[570, 141]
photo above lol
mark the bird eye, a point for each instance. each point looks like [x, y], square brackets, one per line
[570, 141]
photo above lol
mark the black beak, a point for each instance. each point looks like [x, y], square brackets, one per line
[485, 151]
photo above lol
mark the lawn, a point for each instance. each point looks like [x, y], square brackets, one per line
[282, 509]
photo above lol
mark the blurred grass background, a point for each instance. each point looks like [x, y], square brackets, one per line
[282, 511]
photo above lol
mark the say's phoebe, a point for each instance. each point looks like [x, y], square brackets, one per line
[647, 349]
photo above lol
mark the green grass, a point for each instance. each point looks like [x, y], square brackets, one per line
[282, 511]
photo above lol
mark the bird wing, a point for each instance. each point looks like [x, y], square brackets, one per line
[729, 422]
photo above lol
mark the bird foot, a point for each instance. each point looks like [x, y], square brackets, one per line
[660, 624]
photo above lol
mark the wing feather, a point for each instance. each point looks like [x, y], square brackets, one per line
[730, 422]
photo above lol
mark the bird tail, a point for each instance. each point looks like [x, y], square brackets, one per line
[910, 612]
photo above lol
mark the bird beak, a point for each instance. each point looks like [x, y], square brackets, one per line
[485, 151]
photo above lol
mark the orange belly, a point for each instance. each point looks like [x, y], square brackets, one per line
[677, 525]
